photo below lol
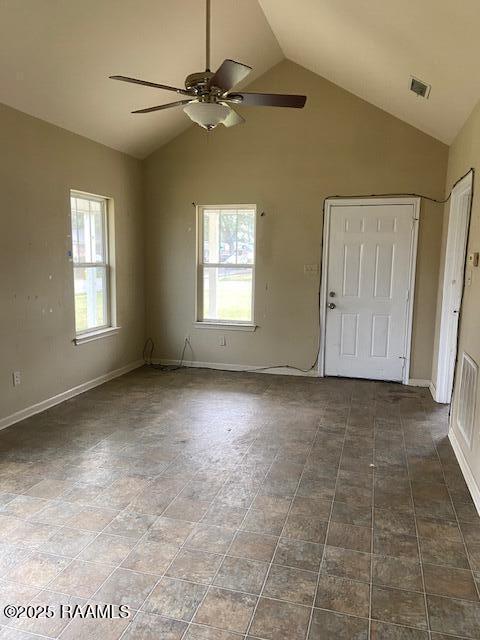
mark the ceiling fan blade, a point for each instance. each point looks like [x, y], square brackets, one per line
[155, 85]
[229, 74]
[267, 100]
[233, 117]
[162, 106]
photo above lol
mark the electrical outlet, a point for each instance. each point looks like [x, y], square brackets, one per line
[17, 378]
[223, 341]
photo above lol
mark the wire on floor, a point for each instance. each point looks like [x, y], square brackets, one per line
[149, 349]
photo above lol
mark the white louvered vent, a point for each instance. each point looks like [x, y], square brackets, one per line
[466, 398]
[420, 88]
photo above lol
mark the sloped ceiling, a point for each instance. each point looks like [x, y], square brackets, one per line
[56, 56]
[371, 47]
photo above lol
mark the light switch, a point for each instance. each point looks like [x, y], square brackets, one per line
[310, 268]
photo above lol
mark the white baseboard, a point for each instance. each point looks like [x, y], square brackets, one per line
[465, 467]
[418, 382]
[222, 366]
[65, 395]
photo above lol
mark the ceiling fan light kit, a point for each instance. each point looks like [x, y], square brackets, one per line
[206, 94]
[207, 114]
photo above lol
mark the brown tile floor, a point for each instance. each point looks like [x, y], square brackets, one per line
[228, 506]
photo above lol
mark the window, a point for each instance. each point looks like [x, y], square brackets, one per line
[91, 269]
[226, 264]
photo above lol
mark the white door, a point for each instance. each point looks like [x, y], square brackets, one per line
[369, 274]
[453, 282]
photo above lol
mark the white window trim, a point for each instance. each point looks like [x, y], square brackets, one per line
[217, 323]
[111, 327]
[226, 326]
[85, 337]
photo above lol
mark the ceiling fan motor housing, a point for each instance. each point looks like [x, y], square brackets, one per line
[198, 81]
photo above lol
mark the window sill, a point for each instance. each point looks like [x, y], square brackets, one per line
[95, 335]
[225, 326]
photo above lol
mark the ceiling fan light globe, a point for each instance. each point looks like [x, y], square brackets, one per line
[207, 114]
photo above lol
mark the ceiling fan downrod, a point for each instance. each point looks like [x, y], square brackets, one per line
[207, 47]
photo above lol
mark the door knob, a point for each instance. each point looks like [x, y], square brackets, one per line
[331, 305]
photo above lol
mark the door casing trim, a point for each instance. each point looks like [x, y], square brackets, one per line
[330, 203]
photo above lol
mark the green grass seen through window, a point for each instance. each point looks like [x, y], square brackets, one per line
[81, 312]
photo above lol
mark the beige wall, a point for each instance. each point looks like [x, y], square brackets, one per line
[464, 154]
[288, 162]
[39, 164]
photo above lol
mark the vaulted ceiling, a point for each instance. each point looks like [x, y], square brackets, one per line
[56, 56]
[371, 47]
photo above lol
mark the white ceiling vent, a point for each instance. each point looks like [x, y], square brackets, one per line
[419, 88]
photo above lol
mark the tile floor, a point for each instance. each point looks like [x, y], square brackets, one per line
[229, 506]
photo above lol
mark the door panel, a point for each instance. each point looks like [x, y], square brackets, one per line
[380, 336]
[352, 269]
[368, 283]
[349, 334]
[384, 268]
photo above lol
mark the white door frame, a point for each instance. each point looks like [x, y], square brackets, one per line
[329, 205]
[455, 253]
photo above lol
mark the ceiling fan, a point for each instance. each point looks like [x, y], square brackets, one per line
[209, 94]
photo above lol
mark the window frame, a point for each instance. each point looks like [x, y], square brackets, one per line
[245, 325]
[109, 327]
